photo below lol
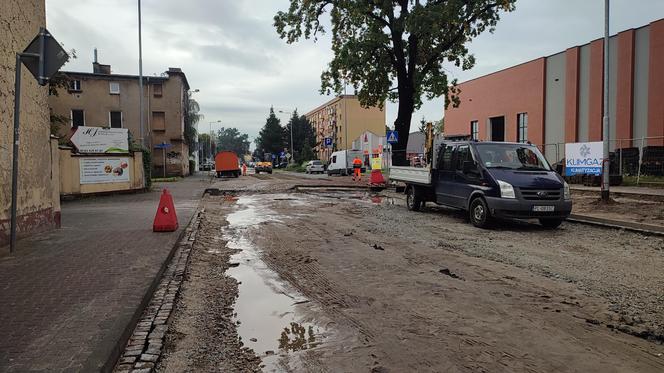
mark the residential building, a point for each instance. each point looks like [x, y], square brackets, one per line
[38, 194]
[104, 99]
[371, 145]
[558, 99]
[343, 119]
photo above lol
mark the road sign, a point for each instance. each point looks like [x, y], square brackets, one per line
[44, 56]
[163, 145]
[392, 137]
[328, 141]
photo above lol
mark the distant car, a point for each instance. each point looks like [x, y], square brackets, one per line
[206, 166]
[313, 167]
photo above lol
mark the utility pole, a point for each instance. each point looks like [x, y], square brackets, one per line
[291, 136]
[605, 120]
[140, 77]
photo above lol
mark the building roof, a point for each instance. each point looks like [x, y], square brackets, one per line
[114, 76]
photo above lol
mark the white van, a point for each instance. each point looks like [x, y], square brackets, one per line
[341, 162]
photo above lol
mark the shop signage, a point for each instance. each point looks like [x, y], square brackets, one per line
[104, 170]
[101, 140]
[583, 158]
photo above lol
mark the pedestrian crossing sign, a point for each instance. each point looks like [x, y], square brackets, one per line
[392, 137]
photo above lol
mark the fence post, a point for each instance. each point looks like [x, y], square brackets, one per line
[638, 174]
[620, 156]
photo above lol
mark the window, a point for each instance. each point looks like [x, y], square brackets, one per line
[157, 90]
[522, 127]
[334, 159]
[463, 154]
[75, 85]
[77, 118]
[446, 163]
[474, 130]
[115, 119]
[158, 121]
[114, 88]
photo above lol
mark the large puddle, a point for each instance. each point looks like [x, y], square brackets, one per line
[266, 308]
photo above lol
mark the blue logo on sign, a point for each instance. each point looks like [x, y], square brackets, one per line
[328, 141]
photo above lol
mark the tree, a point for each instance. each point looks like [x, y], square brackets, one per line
[191, 118]
[302, 132]
[205, 146]
[439, 126]
[423, 125]
[270, 138]
[380, 43]
[307, 150]
[231, 139]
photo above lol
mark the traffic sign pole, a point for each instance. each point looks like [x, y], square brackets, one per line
[43, 62]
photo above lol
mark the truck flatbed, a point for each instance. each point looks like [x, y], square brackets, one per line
[412, 175]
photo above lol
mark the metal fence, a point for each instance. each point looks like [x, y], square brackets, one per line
[640, 158]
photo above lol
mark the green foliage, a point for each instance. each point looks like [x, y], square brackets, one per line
[192, 166]
[394, 50]
[206, 147]
[303, 136]
[192, 116]
[307, 150]
[147, 167]
[296, 167]
[439, 126]
[231, 139]
[270, 138]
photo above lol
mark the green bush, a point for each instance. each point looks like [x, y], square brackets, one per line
[192, 166]
[147, 167]
[296, 168]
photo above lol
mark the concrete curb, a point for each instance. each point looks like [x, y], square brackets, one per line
[138, 350]
[616, 224]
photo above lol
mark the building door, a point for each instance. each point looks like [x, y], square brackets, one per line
[497, 125]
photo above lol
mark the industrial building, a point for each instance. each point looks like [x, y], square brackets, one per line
[342, 120]
[558, 99]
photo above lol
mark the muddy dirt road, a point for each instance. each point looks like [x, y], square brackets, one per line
[322, 279]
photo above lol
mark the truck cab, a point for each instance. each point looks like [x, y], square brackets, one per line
[490, 179]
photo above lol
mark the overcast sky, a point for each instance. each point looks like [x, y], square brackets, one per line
[231, 52]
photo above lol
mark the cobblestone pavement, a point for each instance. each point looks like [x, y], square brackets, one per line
[70, 296]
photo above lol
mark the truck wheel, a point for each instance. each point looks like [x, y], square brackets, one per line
[551, 223]
[479, 213]
[413, 199]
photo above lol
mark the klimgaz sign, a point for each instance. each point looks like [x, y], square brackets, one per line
[583, 158]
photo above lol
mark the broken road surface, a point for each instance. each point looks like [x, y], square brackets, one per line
[333, 279]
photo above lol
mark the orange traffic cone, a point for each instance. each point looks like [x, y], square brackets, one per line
[165, 220]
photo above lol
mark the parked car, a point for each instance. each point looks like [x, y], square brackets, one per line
[314, 167]
[206, 166]
[489, 179]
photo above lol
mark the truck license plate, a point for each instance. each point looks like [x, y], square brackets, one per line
[543, 208]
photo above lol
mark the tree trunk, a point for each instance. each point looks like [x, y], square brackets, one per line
[402, 126]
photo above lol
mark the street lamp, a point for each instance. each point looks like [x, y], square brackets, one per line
[291, 135]
[210, 139]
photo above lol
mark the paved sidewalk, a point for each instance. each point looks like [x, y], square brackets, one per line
[623, 190]
[68, 297]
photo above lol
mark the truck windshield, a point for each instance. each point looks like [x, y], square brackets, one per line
[512, 156]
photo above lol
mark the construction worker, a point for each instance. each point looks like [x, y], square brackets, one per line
[357, 169]
[244, 169]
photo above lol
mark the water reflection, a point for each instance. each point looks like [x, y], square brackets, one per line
[297, 338]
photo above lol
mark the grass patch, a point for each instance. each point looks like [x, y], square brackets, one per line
[296, 168]
[166, 179]
[644, 181]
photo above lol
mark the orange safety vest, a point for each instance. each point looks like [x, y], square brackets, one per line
[357, 163]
